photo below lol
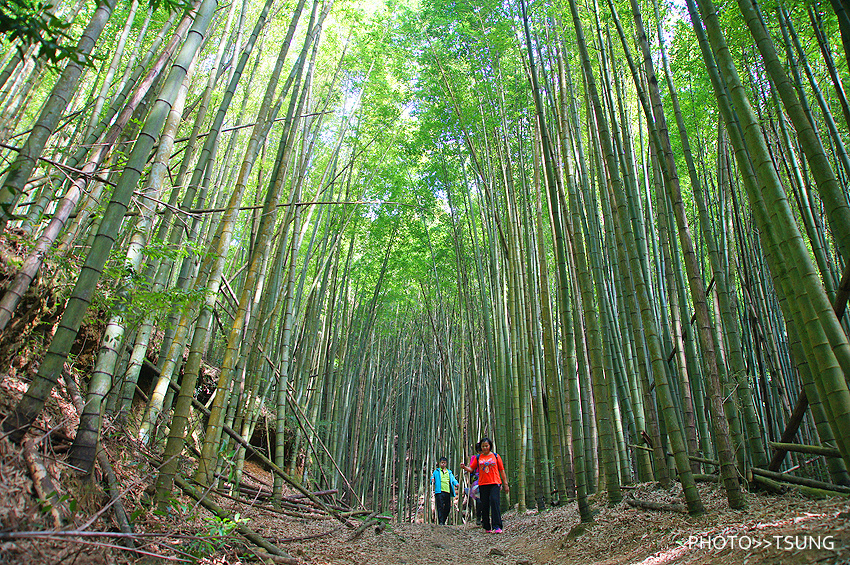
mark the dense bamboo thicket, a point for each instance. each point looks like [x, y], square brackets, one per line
[613, 237]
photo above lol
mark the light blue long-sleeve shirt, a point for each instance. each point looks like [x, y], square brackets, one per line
[438, 482]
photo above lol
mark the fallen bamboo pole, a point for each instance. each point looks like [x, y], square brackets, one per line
[246, 532]
[780, 488]
[696, 458]
[247, 445]
[371, 520]
[811, 483]
[801, 448]
[43, 484]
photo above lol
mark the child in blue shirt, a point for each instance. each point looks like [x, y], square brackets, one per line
[444, 489]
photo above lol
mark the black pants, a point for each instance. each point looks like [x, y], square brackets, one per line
[442, 500]
[491, 516]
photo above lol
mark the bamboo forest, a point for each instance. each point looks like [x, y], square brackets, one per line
[275, 275]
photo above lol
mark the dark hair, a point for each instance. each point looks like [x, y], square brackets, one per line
[443, 459]
[478, 446]
[488, 440]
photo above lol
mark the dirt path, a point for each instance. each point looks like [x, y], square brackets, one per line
[420, 544]
[783, 530]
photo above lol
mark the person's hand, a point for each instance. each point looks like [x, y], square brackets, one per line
[507, 488]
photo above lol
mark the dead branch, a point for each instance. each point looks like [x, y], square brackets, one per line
[369, 522]
[318, 493]
[268, 462]
[811, 483]
[76, 535]
[696, 458]
[114, 489]
[246, 532]
[801, 448]
[307, 512]
[354, 513]
[266, 557]
[42, 482]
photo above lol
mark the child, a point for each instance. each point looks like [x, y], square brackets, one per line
[491, 477]
[444, 489]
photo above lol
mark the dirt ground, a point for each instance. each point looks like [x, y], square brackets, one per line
[787, 529]
[620, 535]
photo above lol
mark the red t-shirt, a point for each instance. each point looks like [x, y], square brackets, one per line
[488, 469]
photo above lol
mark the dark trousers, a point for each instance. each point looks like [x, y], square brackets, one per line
[491, 515]
[442, 500]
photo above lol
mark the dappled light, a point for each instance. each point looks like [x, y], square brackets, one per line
[395, 282]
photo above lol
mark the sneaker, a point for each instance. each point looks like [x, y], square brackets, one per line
[488, 531]
[497, 531]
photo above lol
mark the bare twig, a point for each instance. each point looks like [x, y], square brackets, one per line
[66, 536]
[247, 532]
[285, 204]
[62, 167]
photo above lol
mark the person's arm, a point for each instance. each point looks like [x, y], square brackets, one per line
[501, 466]
[473, 465]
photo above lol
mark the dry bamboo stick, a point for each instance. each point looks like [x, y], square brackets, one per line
[801, 448]
[43, 484]
[811, 483]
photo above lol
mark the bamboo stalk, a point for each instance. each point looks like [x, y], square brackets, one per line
[801, 448]
[785, 477]
[247, 532]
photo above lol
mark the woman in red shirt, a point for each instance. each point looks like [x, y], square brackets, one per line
[491, 478]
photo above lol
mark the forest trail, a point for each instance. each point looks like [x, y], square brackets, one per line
[408, 225]
[420, 544]
[619, 535]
